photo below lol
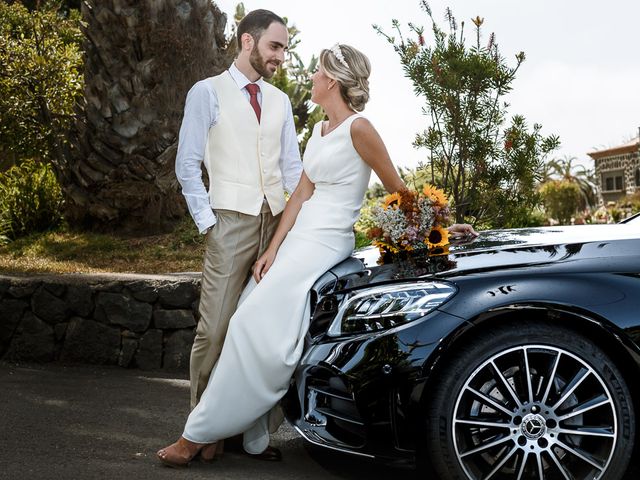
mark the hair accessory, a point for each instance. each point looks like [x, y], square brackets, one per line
[338, 53]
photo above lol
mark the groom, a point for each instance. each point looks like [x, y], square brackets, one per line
[242, 128]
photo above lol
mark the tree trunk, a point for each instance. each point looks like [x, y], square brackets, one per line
[141, 58]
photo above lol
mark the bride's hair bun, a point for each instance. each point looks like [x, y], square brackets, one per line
[351, 69]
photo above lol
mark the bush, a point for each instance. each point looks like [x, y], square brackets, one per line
[40, 80]
[30, 200]
[561, 199]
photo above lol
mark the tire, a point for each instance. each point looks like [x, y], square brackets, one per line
[483, 424]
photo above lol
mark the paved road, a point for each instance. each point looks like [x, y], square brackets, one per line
[88, 423]
[82, 422]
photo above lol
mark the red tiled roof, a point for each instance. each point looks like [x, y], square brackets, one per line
[629, 147]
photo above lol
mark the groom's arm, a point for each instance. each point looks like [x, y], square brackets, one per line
[200, 111]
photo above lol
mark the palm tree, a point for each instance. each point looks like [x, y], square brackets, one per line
[565, 169]
[141, 57]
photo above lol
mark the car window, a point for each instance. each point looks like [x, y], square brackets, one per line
[634, 219]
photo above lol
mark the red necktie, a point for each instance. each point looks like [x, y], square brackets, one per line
[253, 90]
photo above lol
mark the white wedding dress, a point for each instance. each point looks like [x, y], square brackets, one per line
[266, 334]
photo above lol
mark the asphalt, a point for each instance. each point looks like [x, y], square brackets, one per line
[82, 422]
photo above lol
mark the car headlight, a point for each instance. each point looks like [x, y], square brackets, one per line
[388, 306]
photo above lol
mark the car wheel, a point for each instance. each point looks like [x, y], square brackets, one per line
[530, 401]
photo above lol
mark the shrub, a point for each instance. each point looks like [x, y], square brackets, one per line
[40, 79]
[561, 199]
[30, 200]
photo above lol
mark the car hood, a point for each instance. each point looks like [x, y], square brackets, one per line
[500, 249]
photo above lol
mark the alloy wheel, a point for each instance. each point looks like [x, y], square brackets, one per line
[534, 412]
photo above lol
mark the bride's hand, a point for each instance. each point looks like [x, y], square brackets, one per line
[462, 230]
[263, 264]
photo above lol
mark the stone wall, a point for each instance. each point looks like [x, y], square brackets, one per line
[139, 321]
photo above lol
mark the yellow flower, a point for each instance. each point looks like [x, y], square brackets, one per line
[393, 200]
[477, 21]
[438, 237]
[436, 195]
[382, 246]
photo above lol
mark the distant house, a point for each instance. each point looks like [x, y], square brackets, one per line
[618, 170]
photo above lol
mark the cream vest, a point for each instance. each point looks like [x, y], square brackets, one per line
[242, 156]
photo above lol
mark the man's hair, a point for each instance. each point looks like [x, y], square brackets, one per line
[256, 22]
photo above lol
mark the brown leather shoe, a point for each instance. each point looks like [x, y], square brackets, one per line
[270, 454]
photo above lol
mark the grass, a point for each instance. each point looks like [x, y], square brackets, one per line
[82, 252]
[79, 252]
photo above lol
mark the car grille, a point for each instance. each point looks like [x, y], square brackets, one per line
[331, 405]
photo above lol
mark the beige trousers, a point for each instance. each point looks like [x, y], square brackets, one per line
[232, 246]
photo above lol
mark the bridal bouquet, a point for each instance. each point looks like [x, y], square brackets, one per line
[411, 220]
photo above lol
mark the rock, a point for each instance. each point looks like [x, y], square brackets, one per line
[149, 354]
[120, 309]
[177, 294]
[129, 347]
[10, 314]
[171, 319]
[47, 306]
[22, 288]
[57, 289]
[91, 342]
[144, 291]
[33, 341]
[79, 300]
[177, 350]
[111, 286]
[59, 330]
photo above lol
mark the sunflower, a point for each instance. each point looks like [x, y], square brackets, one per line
[384, 246]
[436, 195]
[392, 200]
[438, 236]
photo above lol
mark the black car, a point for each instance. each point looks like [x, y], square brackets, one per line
[515, 356]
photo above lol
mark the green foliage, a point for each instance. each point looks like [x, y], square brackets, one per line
[614, 212]
[489, 169]
[565, 169]
[30, 200]
[40, 79]
[561, 199]
[631, 203]
[361, 240]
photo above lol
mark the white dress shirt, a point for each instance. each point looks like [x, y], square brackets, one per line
[200, 114]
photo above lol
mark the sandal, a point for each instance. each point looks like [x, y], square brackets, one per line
[212, 452]
[180, 453]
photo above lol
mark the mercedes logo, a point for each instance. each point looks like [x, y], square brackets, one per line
[533, 426]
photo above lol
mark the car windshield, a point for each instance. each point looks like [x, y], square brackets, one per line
[635, 219]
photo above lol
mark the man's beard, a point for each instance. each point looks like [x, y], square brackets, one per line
[259, 65]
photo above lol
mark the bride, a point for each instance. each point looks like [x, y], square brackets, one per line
[266, 334]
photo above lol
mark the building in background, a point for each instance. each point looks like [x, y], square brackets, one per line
[618, 170]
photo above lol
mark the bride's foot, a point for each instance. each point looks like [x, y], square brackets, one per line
[212, 452]
[180, 454]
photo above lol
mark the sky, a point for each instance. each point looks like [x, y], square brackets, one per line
[580, 79]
